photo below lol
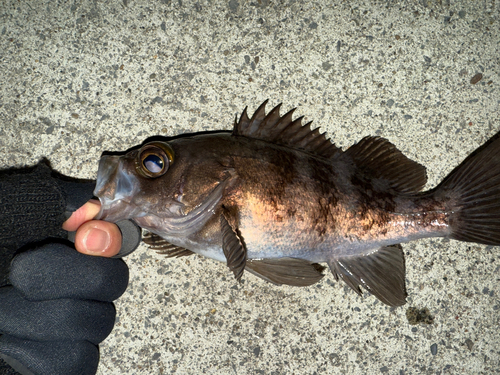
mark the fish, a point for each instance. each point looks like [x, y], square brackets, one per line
[277, 198]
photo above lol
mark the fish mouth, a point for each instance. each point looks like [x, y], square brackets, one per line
[115, 188]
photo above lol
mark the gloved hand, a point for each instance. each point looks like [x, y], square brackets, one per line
[55, 303]
[58, 309]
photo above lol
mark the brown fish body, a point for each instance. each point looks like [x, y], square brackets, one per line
[254, 201]
[288, 203]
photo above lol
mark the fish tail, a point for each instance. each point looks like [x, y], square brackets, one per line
[471, 193]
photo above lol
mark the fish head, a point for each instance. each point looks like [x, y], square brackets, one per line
[137, 184]
[168, 188]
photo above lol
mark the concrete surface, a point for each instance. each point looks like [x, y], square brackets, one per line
[78, 78]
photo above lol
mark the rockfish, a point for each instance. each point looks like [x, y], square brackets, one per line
[276, 198]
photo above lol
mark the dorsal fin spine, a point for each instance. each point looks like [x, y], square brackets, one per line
[283, 130]
[302, 132]
[285, 120]
[274, 115]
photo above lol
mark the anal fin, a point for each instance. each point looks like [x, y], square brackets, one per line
[164, 247]
[289, 271]
[382, 273]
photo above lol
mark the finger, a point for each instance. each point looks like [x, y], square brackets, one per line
[98, 238]
[85, 213]
[65, 274]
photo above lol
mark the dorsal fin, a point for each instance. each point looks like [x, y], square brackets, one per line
[284, 131]
[379, 158]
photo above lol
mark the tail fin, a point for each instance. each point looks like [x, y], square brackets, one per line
[472, 193]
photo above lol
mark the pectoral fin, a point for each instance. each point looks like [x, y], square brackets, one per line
[382, 273]
[233, 246]
[164, 247]
[289, 271]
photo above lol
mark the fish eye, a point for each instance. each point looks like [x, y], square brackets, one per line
[154, 159]
[153, 163]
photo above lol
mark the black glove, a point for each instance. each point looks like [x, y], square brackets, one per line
[55, 303]
[33, 205]
[58, 309]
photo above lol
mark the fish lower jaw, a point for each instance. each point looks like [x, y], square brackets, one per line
[116, 210]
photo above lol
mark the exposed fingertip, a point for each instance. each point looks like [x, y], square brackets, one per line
[98, 238]
[85, 213]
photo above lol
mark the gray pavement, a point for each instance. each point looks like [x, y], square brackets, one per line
[78, 78]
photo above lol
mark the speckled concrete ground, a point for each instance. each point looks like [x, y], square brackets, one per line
[78, 78]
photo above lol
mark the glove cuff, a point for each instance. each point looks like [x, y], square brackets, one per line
[33, 206]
